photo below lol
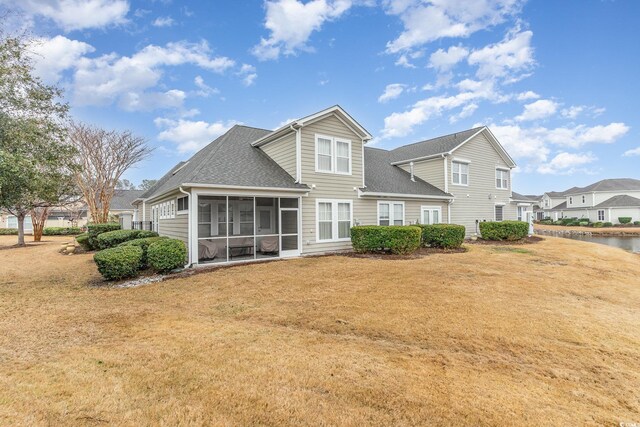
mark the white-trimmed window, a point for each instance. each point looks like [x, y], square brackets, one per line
[570, 200]
[601, 215]
[333, 155]
[502, 179]
[584, 199]
[431, 214]
[521, 211]
[499, 212]
[390, 213]
[334, 219]
[460, 173]
[183, 205]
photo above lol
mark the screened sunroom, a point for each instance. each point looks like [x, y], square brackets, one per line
[235, 228]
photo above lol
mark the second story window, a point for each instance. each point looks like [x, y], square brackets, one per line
[584, 199]
[502, 179]
[460, 173]
[570, 200]
[333, 155]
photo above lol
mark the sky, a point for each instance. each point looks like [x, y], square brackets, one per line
[555, 81]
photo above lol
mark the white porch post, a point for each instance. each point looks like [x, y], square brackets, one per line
[193, 235]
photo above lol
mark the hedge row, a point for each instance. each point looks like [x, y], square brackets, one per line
[445, 236]
[61, 231]
[504, 230]
[127, 259]
[110, 239]
[8, 231]
[398, 240]
[96, 229]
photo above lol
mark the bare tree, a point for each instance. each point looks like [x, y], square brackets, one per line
[104, 155]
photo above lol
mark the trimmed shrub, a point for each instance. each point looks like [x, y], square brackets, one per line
[110, 239]
[636, 222]
[584, 223]
[166, 254]
[83, 240]
[607, 224]
[546, 222]
[61, 231]
[558, 222]
[574, 224]
[598, 224]
[445, 236]
[144, 245]
[397, 239]
[567, 221]
[624, 219]
[504, 230]
[119, 262]
[8, 231]
[96, 229]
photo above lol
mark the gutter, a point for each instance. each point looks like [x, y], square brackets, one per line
[189, 262]
[402, 196]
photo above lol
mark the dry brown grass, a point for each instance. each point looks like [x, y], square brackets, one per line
[541, 334]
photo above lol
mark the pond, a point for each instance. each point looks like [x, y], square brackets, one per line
[628, 243]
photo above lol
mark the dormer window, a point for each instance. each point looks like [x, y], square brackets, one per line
[333, 155]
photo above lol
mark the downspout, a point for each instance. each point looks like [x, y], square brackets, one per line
[413, 179]
[298, 153]
[188, 226]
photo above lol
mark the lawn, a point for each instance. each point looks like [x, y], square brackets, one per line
[539, 334]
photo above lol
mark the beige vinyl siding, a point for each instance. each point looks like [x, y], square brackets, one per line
[283, 152]
[367, 210]
[477, 200]
[327, 185]
[176, 228]
[431, 171]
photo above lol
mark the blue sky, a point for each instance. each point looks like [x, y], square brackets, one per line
[555, 81]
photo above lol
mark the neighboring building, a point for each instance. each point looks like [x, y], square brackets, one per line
[603, 201]
[76, 215]
[258, 194]
[122, 207]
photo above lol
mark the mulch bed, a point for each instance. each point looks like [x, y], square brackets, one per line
[526, 241]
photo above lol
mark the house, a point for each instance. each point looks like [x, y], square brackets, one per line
[297, 190]
[122, 207]
[603, 201]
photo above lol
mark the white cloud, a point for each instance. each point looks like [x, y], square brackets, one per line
[467, 111]
[205, 90]
[426, 21]
[403, 61]
[632, 152]
[444, 60]
[189, 136]
[537, 110]
[525, 96]
[505, 59]
[523, 143]
[76, 14]
[53, 56]
[567, 163]
[103, 80]
[581, 135]
[163, 21]
[573, 111]
[148, 101]
[291, 23]
[248, 74]
[392, 91]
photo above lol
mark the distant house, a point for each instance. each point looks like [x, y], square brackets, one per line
[76, 215]
[603, 201]
[256, 194]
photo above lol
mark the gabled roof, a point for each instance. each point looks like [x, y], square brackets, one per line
[123, 199]
[380, 176]
[336, 111]
[445, 145]
[616, 184]
[558, 194]
[160, 182]
[230, 160]
[621, 201]
[562, 205]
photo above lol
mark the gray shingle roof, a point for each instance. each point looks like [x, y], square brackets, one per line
[616, 184]
[431, 147]
[230, 160]
[123, 199]
[161, 181]
[621, 201]
[380, 176]
[562, 205]
[521, 197]
[556, 194]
